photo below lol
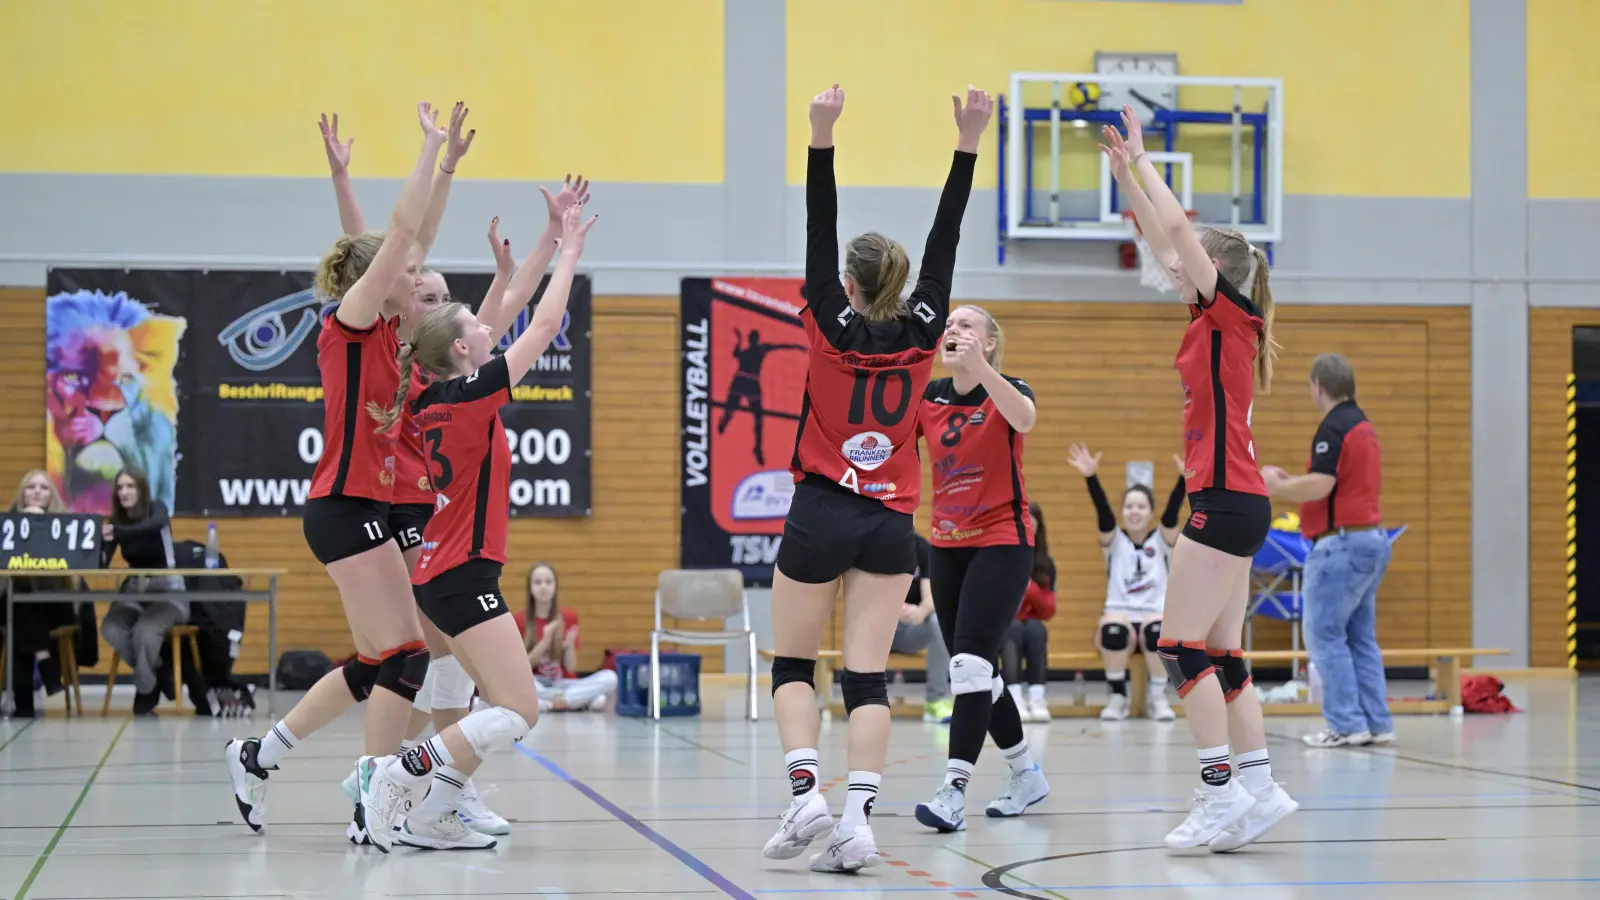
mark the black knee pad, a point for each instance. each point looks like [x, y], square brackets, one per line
[403, 670]
[360, 674]
[1186, 663]
[1150, 635]
[1232, 674]
[787, 669]
[863, 689]
[1114, 636]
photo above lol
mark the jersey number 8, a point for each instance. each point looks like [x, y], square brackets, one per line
[952, 432]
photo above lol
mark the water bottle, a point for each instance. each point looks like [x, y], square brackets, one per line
[212, 553]
[1314, 695]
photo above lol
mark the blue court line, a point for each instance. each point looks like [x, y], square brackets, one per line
[1153, 887]
[649, 834]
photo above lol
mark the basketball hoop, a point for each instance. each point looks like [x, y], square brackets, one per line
[1151, 272]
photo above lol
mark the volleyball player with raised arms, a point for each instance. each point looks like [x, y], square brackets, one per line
[1227, 351]
[857, 479]
[457, 579]
[347, 513]
[982, 559]
[446, 692]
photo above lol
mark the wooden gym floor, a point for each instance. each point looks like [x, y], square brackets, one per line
[1485, 807]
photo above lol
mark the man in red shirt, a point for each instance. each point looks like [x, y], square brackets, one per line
[1338, 499]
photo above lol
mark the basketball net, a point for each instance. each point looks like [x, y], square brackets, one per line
[1151, 273]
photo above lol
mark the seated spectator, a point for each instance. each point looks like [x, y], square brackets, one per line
[550, 635]
[1137, 555]
[134, 627]
[918, 630]
[1026, 650]
[36, 494]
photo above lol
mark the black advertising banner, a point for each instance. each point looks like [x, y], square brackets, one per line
[744, 370]
[208, 382]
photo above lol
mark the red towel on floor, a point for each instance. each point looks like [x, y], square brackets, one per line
[1482, 694]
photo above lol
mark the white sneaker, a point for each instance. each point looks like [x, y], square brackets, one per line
[1213, 813]
[849, 850]
[806, 819]
[385, 798]
[356, 831]
[1383, 737]
[1268, 811]
[946, 813]
[479, 817]
[1330, 738]
[1038, 709]
[598, 704]
[1023, 712]
[1160, 710]
[249, 782]
[446, 832]
[1116, 709]
[352, 784]
[1022, 791]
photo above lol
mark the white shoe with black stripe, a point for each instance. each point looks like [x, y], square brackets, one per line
[849, 850]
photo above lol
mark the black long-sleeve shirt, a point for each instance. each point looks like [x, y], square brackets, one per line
[147, 544]
[930, 299]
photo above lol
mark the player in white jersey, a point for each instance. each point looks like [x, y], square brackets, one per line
[1136, 554]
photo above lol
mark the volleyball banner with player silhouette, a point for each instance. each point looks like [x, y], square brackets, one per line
[209, 380]
[744, 370]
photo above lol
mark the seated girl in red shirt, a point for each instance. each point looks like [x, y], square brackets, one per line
[552, 645]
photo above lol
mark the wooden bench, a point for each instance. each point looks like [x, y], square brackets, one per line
[1444, 669]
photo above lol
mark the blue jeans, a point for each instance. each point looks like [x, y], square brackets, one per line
[1340, 595]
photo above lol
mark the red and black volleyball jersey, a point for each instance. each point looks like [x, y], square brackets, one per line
[858, 415]
[1217, 363]
[411, 483]
[469, 463]
[358, 367]
[980, 498]
[1346, 447]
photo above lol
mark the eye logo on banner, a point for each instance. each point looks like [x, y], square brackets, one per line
[250, 393]
[744, 370]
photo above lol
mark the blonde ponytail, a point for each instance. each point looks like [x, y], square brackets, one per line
[1266, 346]
[388, 418]
[343, 265]
[880, 269]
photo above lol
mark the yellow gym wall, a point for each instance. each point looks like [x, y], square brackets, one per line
[1117, 392]
[633, 90]
[1357, 76]
[1563, 108]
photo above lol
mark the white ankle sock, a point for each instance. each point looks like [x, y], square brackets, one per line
[1018, 758]
[804, 771]
[957, 772]
[858, 799]
[1256, 770]
[275, 745]
[444, 792]
[1215, 769]
[1035, 692]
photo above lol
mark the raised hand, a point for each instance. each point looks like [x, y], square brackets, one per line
[1078, 457]
[973, 118]
[574, 229]
[457, 146]
[429, 119]
[963, 354]
[338, 154]
[572, 192]
[504, 262]
[826, 108]
[1135, 130]
[1117, 152]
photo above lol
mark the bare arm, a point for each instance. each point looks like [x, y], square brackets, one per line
[1301, 488]
[1144, 212]
[499, 314]
[1169, 218]
[552, 307]
[363, 303]
[456, 147]
[350, 218]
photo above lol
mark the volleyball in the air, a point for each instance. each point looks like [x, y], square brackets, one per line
[1084, 95]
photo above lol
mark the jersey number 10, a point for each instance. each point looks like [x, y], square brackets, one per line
[880, 379]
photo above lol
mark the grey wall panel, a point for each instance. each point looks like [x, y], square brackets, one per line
[755, 162]
[1564, 240]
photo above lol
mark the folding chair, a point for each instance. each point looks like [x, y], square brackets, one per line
[701, 595]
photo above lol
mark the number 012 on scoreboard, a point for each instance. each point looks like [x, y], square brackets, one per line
[49, 541]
